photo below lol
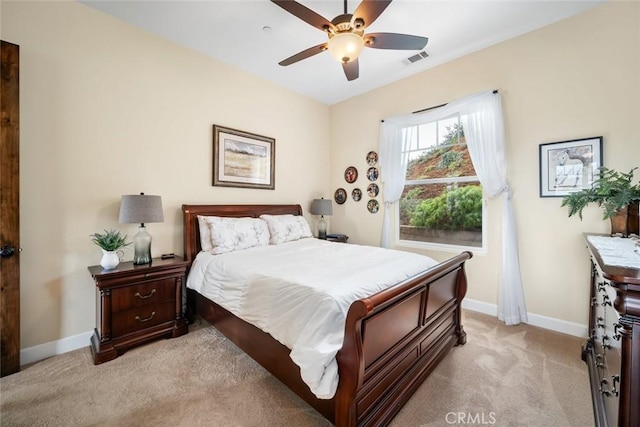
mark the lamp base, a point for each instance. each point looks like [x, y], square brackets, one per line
[322, 229]
[142, 246]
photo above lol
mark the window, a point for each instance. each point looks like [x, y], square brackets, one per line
[442, 200]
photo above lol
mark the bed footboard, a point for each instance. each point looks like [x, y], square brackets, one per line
[394, 339]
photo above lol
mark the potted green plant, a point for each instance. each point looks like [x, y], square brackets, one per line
[111, 242]
[616, 193]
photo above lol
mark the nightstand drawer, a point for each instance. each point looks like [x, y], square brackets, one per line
[143, 294]
[138, 274]
[140, 318]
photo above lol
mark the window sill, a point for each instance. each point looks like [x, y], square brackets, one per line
[440, 247]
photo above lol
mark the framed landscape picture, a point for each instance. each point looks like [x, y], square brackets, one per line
[569, 166]
[243, 159]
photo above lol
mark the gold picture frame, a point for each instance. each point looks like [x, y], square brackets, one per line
[243, 159]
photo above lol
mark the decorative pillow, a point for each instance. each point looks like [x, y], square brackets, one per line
[205, 233]
[287, 228]
[234, 234]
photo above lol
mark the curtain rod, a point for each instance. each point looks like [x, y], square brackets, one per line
[433, 108]
[438, 106]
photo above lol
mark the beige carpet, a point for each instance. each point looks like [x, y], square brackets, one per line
[503, 376]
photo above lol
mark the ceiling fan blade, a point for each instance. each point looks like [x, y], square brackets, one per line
[369, 10]
[351, 69]
[304, 54]
[304, 13]
[395, 41]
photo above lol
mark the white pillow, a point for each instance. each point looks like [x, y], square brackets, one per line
[205, 233]
[234, 234]
[287, 228]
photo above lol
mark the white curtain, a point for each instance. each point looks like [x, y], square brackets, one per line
[391, 145]
[481, 116]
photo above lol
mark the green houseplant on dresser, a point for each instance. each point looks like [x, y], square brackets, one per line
[617, 194]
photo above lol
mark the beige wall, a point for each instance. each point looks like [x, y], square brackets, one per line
[575, 79]
[106, 110]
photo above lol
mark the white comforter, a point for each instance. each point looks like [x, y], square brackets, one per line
[300, 292]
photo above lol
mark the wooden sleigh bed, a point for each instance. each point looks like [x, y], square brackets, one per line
[392, 342]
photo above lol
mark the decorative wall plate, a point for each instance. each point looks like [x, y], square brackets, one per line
[373, 206]
[372, 158]
[350, 174]
[372, 174]
[356, 194]
[373, 190]
[340, 196]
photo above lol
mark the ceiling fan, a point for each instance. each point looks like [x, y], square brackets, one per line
[346, 34]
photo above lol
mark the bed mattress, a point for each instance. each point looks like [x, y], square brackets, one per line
[300, 293]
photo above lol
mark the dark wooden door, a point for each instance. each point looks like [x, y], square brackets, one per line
[9, 210]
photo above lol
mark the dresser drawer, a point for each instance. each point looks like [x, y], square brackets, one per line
[136, 319]
[154, 292]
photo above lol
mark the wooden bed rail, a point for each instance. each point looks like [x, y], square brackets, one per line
[382, 392]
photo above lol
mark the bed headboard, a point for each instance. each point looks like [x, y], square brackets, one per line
[192, 229]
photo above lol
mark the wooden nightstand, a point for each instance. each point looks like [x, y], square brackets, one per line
[136, 304]
[341, 238]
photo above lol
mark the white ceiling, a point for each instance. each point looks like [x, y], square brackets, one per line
[233, 31]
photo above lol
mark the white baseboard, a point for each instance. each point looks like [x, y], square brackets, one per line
[43, 351]
[557, 325]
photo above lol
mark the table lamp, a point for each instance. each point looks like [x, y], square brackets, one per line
[141, 208]
[321, 207]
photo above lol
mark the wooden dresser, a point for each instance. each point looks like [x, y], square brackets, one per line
[136, 304]
[612, 352]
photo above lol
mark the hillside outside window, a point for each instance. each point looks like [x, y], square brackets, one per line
[442, 200]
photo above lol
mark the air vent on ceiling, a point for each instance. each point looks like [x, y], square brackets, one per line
[415, 58]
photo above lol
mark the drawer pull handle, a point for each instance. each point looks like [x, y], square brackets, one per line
[616, 333]
[153, 291]
[138, 318]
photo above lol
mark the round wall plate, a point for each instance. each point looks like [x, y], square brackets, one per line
[372, 158]
[373, 190]
[351, 174]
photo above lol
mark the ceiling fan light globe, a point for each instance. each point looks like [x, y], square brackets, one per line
[345, 47]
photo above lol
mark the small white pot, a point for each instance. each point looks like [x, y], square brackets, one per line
[110, 259]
